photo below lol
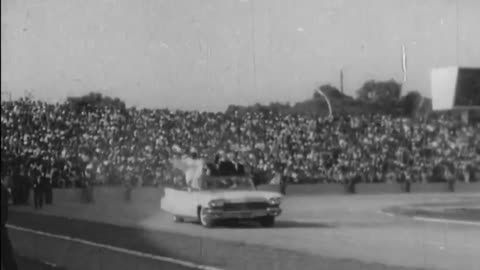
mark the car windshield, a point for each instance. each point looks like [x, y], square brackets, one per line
[227, 182]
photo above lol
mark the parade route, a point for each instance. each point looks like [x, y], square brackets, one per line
[335, 227]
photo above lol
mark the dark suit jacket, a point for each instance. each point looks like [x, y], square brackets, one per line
[226, 168]
[212, 168]
[240, 169]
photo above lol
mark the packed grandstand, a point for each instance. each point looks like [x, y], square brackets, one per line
[113, 145]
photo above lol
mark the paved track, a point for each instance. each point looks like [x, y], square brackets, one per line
[31, 264]
[343, 227]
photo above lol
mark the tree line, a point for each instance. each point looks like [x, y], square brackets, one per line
[372, 97]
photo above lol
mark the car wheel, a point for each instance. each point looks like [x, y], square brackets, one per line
[178, 219]
[267, 221]
[204, 220]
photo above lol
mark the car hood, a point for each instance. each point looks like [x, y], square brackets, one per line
[239, 196]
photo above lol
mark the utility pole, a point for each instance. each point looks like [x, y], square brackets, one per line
[404, 63]
[341, 80]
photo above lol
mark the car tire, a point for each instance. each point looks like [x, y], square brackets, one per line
[206, 222]
[267, 221]
[178, 219]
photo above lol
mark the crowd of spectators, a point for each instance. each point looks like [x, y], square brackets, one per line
[110, 146]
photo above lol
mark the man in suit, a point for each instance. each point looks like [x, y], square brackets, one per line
[215, 170]
[211, 169]
[8, 261]
[239, 168]
[226, 166]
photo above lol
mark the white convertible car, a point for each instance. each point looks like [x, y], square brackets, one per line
[222, 198]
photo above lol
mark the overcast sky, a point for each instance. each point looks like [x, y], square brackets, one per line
[206, 54]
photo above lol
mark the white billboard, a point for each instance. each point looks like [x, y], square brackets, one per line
[443, 86]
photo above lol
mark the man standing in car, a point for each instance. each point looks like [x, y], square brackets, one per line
[192, 167]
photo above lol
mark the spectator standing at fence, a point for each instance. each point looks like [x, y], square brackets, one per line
[89, 179]
[347, 181]
[26, 187]
[449, 178]
[407, 180]
[37, 189]
[48, 185]
[8, 261]
[128, 187]
[16, 185]
[19, 187]
[465, 172]
[283, 183]
[280, 178]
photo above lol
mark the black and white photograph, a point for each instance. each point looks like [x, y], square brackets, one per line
[240, 134]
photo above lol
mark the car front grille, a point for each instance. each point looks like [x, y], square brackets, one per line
[245, 206]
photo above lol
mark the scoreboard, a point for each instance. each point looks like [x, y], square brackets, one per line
[455, 88]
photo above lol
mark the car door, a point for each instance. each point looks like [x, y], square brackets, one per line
[173, 201]
[179, 202]
[193, 202]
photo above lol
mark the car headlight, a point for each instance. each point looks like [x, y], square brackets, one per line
[275, 201]
[216, 203]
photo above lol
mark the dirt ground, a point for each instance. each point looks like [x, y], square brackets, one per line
[340, 227]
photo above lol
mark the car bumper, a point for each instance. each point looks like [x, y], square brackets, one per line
[243, 214]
